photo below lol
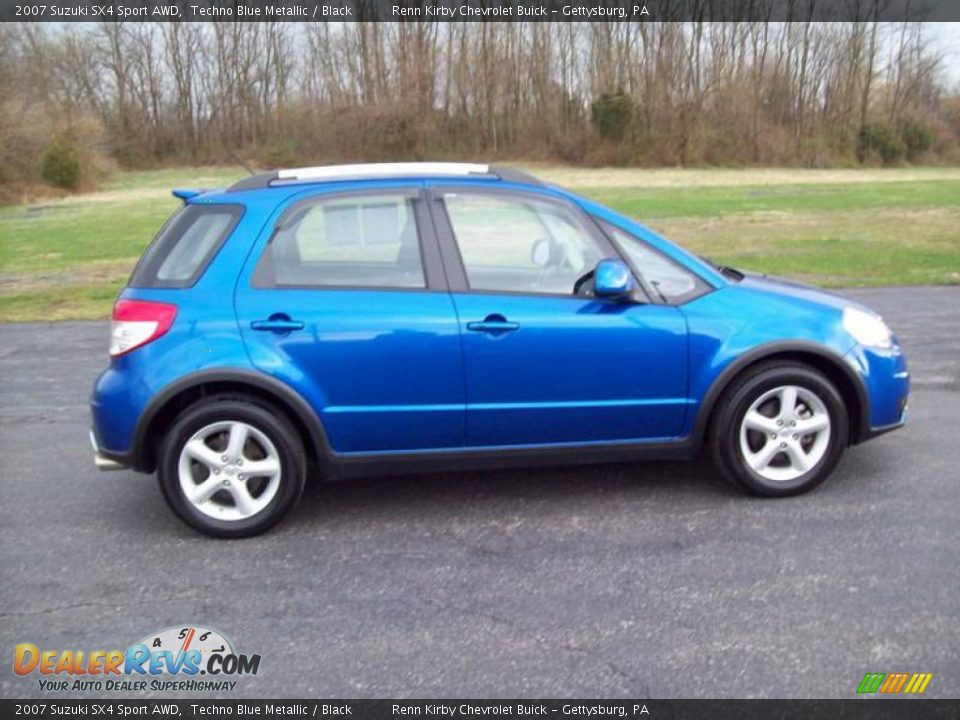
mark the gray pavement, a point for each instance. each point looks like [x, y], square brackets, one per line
[649, 580]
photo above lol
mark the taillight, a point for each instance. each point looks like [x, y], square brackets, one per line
[137, 322]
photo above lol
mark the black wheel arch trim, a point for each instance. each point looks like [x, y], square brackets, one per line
[139, 457]
[763, 352]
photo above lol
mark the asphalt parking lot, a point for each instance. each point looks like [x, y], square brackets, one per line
[645, 580]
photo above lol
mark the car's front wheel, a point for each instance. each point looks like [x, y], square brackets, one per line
[780, 429]
[231, 468]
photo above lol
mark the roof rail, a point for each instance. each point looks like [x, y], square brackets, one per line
[516, 176]
[333, 173]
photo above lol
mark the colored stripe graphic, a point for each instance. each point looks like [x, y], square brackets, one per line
[894, 682]
[870, 683]
[918, 683]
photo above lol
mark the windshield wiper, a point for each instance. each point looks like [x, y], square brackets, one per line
[724, 270]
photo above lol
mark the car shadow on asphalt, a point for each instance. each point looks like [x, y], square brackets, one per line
[596, 488]
[564, 486]
[663, 483]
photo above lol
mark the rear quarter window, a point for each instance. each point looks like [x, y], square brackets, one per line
[185, 246]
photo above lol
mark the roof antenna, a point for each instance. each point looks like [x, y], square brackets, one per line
[241, 163]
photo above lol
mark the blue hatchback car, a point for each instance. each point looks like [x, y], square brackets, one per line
[370, 319]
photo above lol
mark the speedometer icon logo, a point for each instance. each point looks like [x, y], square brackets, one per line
[182, 639]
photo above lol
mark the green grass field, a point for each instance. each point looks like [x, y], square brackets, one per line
[66, 259]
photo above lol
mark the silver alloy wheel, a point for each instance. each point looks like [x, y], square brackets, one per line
[785, 433]
[229, 470]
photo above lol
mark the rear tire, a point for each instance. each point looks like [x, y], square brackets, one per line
[230, 467]
[779, 429]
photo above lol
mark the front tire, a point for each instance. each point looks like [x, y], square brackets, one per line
[779, 429]
[231, 468]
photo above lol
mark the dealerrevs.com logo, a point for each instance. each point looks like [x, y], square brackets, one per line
[178, 659]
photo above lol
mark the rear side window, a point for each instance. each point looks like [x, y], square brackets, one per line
[367, 241]
[185, 246]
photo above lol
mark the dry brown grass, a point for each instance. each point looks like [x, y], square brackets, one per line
[724, 177]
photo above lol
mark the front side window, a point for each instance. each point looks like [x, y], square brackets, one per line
[521, 244]
[669, 281]
[185, 246]
[367, 241]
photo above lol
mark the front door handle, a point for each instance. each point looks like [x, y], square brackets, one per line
[277, 323]
[494, 324]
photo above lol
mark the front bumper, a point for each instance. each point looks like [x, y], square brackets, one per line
[886, 379]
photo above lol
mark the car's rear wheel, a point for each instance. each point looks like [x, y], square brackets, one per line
[780, 429]
[231, 468]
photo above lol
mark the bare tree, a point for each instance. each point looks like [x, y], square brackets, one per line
[748, 90]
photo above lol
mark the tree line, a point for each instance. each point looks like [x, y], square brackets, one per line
[803, 93]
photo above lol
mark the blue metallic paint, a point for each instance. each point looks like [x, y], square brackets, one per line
[576, 369]
[612, 278]
[383, 369]
[885, 374]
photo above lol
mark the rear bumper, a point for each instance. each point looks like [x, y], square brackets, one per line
[105, 461]
[118, 398]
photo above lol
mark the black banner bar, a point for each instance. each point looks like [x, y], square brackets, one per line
[476, 10]
[860, 709]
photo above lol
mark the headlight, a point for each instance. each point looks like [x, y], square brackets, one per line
[866, 328]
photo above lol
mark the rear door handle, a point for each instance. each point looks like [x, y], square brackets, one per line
[493, 324]
[277, 323]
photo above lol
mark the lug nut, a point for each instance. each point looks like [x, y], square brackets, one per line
[216, 471]
[796, 437]
[239, 462]
[224, 458]
[773, 436]
[779, 422]
[783, 445]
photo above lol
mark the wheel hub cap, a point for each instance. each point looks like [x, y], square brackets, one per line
[229, 470]
[785, 433]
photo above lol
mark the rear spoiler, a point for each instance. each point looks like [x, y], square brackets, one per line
[186, 193]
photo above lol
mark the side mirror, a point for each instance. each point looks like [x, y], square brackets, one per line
[612, 279]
